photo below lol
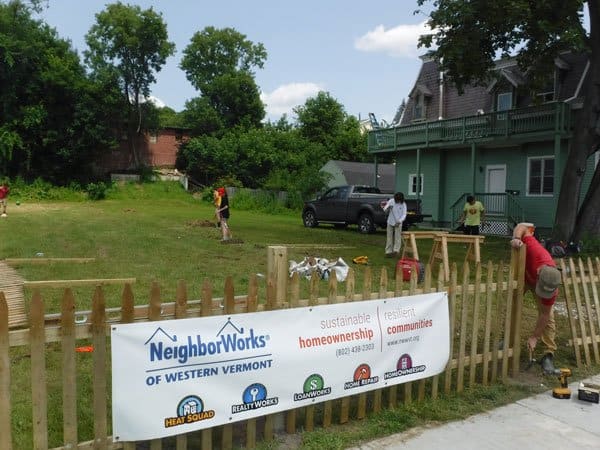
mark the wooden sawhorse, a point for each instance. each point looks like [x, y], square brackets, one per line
[440, 249]
[409, 241]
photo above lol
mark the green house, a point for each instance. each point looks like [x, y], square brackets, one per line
[501, 142]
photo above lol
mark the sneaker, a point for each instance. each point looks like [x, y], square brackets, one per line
[389, 255]
[548, 365]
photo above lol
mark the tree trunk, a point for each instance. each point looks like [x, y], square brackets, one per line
[131, 128]
[132, 140]
[572, 223]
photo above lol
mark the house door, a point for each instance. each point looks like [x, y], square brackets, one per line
[495, 182]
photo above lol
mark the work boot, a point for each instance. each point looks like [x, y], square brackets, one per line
[548, 365]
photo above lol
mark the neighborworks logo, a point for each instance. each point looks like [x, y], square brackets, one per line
[193, 346]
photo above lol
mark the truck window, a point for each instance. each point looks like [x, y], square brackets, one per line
[331, 193]
[366, 190]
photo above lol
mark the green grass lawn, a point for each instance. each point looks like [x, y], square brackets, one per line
[154, 232]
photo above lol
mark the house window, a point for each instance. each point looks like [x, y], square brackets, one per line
[153, 138]
[540, 176]
[419, 108]
[504, 101]
[546, 93]
[412, 184]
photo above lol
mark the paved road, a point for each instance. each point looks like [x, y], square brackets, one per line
[536, 423]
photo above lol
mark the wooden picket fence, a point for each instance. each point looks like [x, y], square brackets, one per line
[581, 281]
[484, 309]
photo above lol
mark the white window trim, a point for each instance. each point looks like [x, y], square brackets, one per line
[529, 159]
[411, 178]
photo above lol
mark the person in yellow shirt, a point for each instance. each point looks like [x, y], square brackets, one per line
[472, 216]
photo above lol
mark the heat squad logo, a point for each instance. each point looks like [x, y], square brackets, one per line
[254, 397]
[189, 410]
[313, 387]
[362, 377]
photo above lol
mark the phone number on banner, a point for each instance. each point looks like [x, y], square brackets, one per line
[347, 351]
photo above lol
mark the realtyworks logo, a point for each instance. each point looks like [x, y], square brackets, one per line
[192, 346]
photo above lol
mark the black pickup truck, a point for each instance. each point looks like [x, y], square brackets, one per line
[361, 205]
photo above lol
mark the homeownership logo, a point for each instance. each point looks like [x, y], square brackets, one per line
[404, 367]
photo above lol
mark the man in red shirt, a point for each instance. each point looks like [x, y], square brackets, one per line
[542, 278]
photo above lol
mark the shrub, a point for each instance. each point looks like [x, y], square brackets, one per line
[97, 191]
[267, 201]
[40, 190]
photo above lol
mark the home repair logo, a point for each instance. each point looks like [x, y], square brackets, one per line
[313, 387]
[189, 410]
[404, 367]
[362, 377]
[254, 397]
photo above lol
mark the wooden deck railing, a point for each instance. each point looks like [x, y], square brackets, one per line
[548, 118]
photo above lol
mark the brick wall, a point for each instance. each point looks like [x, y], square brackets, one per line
[157, 149]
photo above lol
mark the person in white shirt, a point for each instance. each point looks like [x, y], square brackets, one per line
[396, 215]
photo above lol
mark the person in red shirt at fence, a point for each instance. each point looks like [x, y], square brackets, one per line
[4, 190]
[542, 278]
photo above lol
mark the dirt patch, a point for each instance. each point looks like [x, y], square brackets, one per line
[201, 223]
[232, 241]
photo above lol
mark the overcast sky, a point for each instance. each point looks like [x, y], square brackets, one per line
[363, 53]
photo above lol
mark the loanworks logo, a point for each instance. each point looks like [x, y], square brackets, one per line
[163, 346]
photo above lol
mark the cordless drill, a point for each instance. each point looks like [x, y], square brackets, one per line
[563, 391]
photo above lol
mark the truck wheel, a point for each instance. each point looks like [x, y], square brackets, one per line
[309, 218]
[366, 224]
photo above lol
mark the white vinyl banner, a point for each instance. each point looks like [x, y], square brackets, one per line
[176, 376]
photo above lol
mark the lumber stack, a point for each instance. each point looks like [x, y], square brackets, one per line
[12, 286]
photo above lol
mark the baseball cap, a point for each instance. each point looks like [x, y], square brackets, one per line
[548, 280]
[221, 191]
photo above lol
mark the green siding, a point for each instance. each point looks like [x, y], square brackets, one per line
[447, 176]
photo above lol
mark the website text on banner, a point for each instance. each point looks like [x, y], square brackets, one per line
[176, 376]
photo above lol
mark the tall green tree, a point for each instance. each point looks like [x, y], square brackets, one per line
[215, 52]
[131, 45]
[53, 119]
[220, 64]
[469, 33]
[322, 119]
